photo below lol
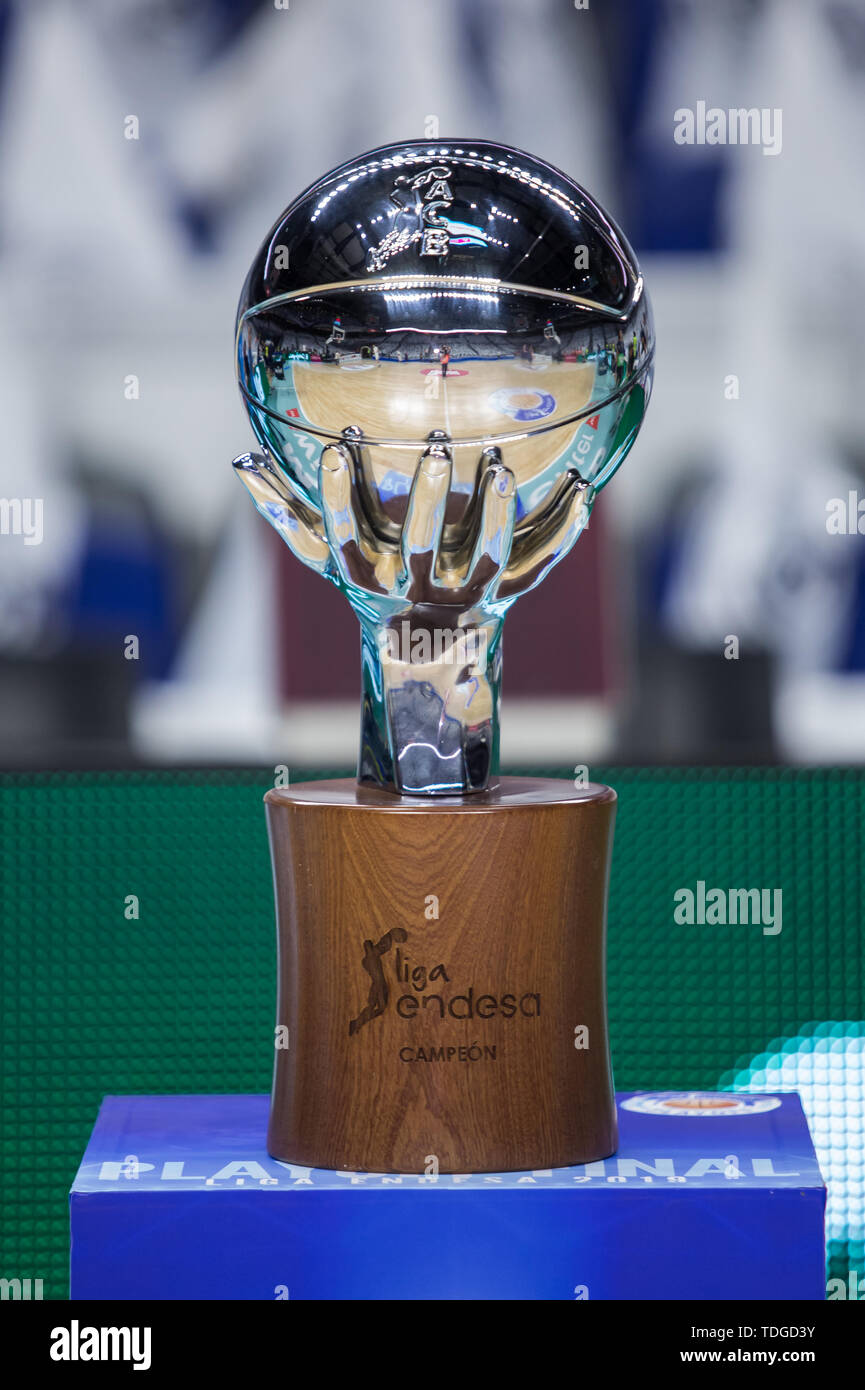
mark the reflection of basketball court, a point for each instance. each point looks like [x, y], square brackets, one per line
[492, 398]
[539, 363]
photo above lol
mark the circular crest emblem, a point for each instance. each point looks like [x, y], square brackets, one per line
[523, 405]
[700, 1104]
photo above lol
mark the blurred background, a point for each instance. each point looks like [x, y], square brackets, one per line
[715, 610]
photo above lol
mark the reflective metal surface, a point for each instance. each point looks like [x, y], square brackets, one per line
[445, 350]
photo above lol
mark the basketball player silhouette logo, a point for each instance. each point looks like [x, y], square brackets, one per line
[379, 992]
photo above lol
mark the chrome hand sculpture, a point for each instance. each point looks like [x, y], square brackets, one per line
[430, 613]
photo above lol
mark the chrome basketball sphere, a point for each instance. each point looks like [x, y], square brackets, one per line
[453, 290]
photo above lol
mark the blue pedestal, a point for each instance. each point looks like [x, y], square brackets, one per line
[719, 1197]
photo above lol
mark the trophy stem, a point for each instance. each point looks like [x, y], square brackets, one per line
[430, 702]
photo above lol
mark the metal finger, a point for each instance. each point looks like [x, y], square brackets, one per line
[425, 514]
[498, 512]
[295, 522]
[336, 489]
[548, 540]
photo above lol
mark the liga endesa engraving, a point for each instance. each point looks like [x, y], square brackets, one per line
[442, 1003]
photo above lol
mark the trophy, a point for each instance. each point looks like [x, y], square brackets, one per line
[445, 350]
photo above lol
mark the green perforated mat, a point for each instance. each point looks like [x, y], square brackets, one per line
[181, 997]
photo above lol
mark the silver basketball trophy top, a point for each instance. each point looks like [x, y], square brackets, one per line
[445, 349]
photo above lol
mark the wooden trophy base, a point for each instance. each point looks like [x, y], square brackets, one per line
[441, 978]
